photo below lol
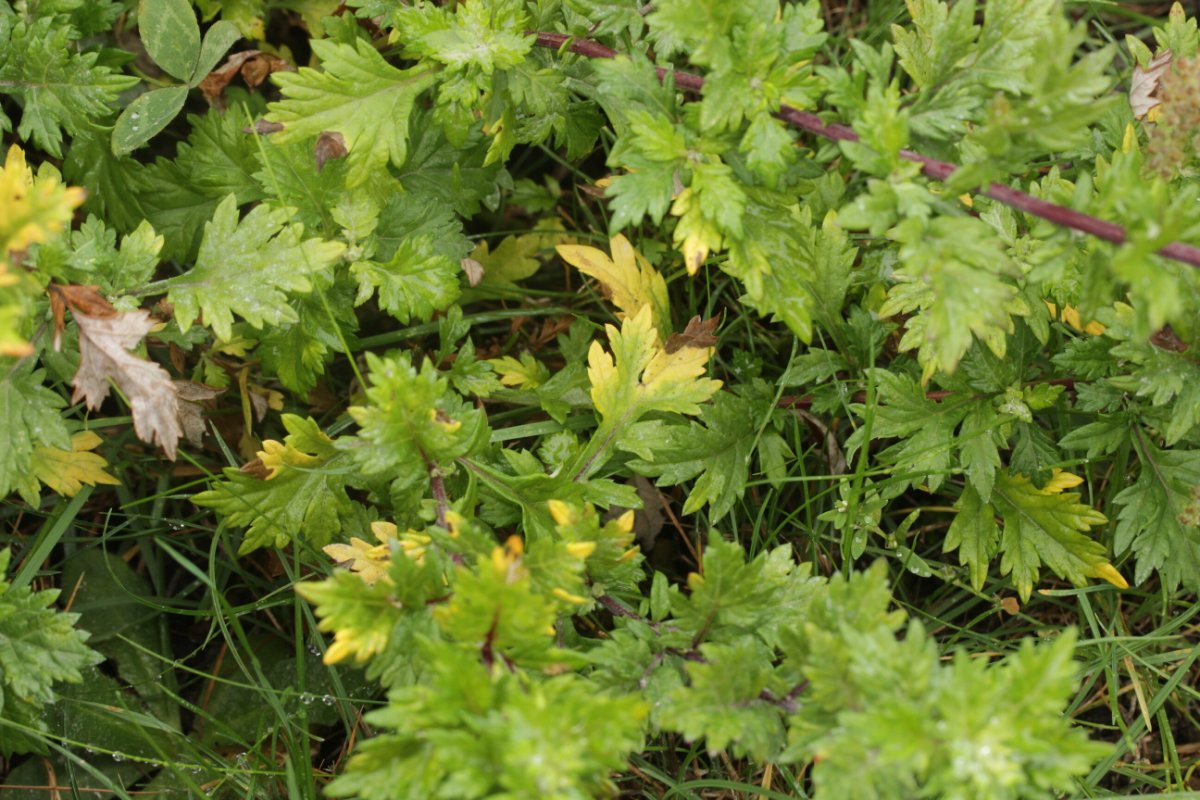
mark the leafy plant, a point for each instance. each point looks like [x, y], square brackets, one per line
[39, 647]
[612, 383]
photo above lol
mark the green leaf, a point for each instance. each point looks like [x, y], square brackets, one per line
[789, 266]
[412, 423]
[358, 95]
[58, 87]
[39, 646]
[180, 196]
[1045, 526]
[650, 152]
[145, 117]
[717, 448]
[415, 273]
[951, 272]
[941, 36]
[723, 703]
[974, 534]
[735, 597]
[456, 174]
[969, 727]
[91, 256]
[245, 267]
[924, 427]
[219, 37]
[1159, 520]
[304, 492]
[112, 183]
[298, 353]
[469, 732]
[977, 447]
[31, 415]
[289, 176]
[1169, 380]
[171, 35]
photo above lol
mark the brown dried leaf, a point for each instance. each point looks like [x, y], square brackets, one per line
[473, 270]
[1166, 339]
[85, 299]
[262, 127]
[698, 333]
[104, 345]
[330, 144]
[1144, 84]
[254, 66]
[191, 413]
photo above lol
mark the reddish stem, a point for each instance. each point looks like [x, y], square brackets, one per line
[938, 170]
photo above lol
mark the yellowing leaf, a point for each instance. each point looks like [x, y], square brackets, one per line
[277, 455]
[32, 209]
[696, 235]
[67, 471]
[1061, 480]
[641, 376]
[1070, 315]
[628, 278]
[1048, 526]
[358, 94]
[104, 345]
[371, 562]
[528, 373]
[518, 257]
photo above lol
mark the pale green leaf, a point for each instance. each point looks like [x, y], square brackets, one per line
[246, 267]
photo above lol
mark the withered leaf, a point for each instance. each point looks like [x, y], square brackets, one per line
[330, 144]
[698, 333]
[1166, 339]
[254, 66]
[1144, 84]
[262, 127]
[104, 345]
[191, 413]
[473, 270]
[84, 299]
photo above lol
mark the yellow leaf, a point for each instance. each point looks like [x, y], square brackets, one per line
[370, 561]
[628, 278]
[67, 471]
[1061, 481]
[1109, 573]
[32, 209]
[276, 455]
[527, 373]
[695, 234]
[1070, 315]
[640, 376]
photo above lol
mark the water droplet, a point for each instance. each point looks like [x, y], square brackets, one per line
[135, 129]
[327, 699]
[135, 115]
[314, 650]
[118, 757]
[306, 698]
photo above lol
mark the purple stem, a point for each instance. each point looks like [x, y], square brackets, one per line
[938, 170]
